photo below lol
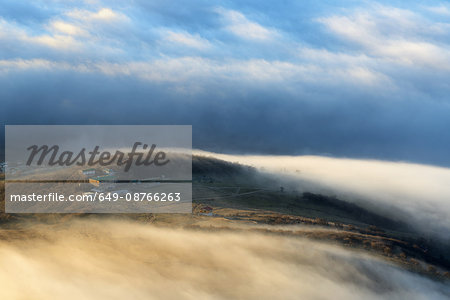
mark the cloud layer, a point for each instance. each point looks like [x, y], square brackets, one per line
[360, 80]
[417, 195]
[117, 260]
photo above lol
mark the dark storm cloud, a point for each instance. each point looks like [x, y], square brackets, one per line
[359, 81]
[262, 121]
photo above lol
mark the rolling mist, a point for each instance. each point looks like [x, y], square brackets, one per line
[118, 259]
[415, 194]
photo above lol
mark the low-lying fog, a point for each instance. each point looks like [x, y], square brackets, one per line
[417, 194]
[106, 259]
[123, 260]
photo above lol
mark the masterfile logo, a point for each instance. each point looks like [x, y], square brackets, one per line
[104, 169]
[105, 158]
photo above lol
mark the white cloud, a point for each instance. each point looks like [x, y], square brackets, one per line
[79, 37]
[67, 28]
[69, 32]
[55, 41]
[37, 64]
[187, 39]
[360, 67]
[189, 69]
[393, 35]
[381, 47]
[11, 32]
[239, 25]
[440, 10]
[104, 14]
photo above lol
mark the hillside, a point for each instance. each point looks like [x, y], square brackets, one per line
[233, 197]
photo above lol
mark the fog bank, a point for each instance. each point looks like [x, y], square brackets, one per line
[120, 260]
[417, 194]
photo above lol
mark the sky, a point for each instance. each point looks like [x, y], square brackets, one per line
[357, 79]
